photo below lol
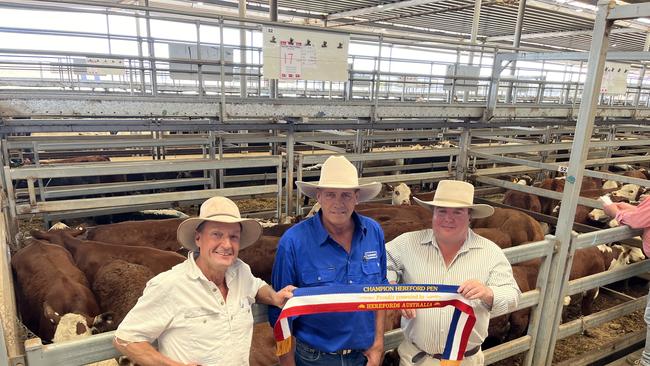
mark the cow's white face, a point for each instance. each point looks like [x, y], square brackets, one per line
[598, 215]
[401, 195]
[629, 192]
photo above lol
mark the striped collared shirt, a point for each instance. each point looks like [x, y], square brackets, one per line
[414, 257]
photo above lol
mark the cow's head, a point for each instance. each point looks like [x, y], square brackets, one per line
[401, 195]
[598, 215]
[628, 192]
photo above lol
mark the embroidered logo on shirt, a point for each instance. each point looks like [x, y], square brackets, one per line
[370, 255]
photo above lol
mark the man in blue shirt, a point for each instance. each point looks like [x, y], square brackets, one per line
[334, 247]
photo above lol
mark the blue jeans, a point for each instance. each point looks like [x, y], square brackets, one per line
[308, 356]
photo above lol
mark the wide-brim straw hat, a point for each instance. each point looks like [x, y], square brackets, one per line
[456, 194]
[338, 172]
[218, 209]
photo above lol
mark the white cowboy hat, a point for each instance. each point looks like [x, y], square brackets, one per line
[338, 172]
[218, 209]
[457, 194]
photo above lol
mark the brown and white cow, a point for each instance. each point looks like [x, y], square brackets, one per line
[47, 278]
[160, 234]
[90, 255]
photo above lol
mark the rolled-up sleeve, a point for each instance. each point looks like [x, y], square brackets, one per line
[149, 317]
[394, 265]
[505, 288]
[283, 274]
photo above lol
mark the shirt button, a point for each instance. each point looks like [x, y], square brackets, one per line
[350, 281]
[319, 278]
[221, 302]
[214, 290]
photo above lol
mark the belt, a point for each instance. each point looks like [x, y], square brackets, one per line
[342, 352]
[438, 356]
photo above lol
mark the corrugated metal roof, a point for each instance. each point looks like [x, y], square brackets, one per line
[498, 18]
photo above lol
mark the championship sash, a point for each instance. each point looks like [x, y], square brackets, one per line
[327, 299]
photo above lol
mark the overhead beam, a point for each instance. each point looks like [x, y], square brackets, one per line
[575, 56]
[555, 7]
[631, 11]
[380, 8]
[561, 34]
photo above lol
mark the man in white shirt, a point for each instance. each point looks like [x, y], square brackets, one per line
[200, 310]
[450, 253]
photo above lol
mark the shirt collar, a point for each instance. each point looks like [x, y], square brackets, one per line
[321, 235]
[195, 273]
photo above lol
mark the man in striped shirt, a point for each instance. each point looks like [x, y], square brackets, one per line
[450, 253]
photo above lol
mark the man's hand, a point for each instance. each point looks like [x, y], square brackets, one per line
[374, 353]
[280, 298]
[475, 289]
[408, 313]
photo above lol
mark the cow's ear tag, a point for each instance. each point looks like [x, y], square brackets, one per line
[571, 179]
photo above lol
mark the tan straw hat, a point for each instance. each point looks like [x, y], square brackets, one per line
[338, 172]
[457, 194]
[218, 209]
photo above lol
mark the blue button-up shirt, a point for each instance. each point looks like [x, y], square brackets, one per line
[307, 256]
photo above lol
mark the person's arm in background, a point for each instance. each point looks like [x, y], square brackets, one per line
[636, 217]
[283, 275]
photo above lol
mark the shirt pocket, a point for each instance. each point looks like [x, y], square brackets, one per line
[201, 324]
[371, 270]
[320, 276]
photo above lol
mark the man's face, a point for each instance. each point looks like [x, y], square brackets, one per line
[337, 205]
[450, 224]
[218, 243]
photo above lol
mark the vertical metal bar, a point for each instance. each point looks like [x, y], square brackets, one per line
[273, 15]
[152, 53]
[461, 163]
[536, 311]
[222, 77]
[242, 51]
[278, 198]
[140, 62]
[521, 10]
[494, 86]
[290, 144]
[37, 162]
[375, 105]
[476, 19]
[646, 48]
[561, 262]
[299, 177]
[221, 175]
[199, 65]
[9, 333]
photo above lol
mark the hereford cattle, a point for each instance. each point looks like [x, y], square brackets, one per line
[114, 293]
[527, 201]
[46, 277]
[557, 184]
[499, 237]
[159, 234]
[520, 227]
[593, 260]
[511, 326]
[260, 256]
[396, 220]
[90, 255]
[74, 326]
[401, 194]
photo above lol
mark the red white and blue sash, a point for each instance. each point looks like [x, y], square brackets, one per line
[327, 299]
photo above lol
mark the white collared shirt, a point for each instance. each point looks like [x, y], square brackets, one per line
[414, 257]
[188, 316]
